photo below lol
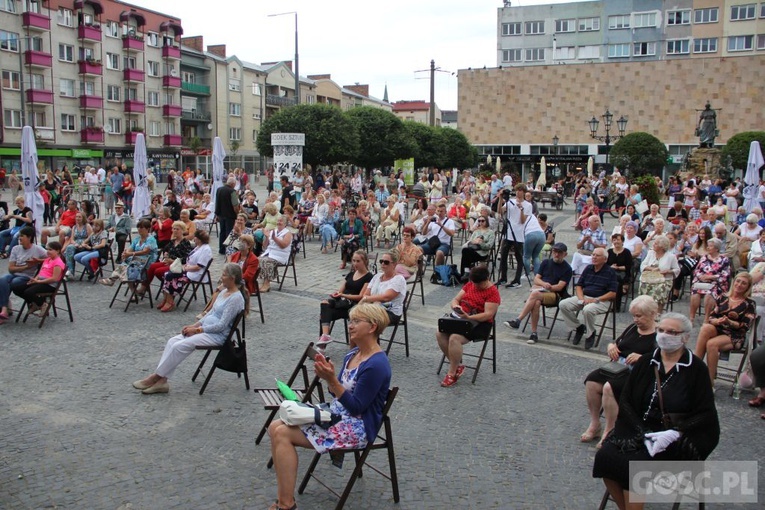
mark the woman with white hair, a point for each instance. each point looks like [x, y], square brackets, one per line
[666, 412]
[632, 241]
[277, 246]
[747, 233]
[658, 230]
[710, 278]
[657, 271]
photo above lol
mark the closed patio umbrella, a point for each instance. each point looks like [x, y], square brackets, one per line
[590, 165]
[141, 198]
[542, 181]
[752, 176]
[219, 173]
[29, 174]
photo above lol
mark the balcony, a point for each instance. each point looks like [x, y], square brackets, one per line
[91, 102]
[131, 42]
[130, 137]
[274, 100]
[92, 67]
[196, 116]
[133, 75]
[35, 21]
[173, 140]
[134, 106]
[171, 81]
[171, 52]
[91, 32]
[40, 96]
[195, 88]
[171, 110]
[92, 135]
[38, 58]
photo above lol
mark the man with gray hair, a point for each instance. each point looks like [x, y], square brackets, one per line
[729, 245]
[594, 289]
[226, 209]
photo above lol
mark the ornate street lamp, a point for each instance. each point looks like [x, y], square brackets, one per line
[608, 118]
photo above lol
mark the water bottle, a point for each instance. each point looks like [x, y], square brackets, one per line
[736, 391]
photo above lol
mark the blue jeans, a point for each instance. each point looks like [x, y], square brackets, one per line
[84, 258]
[532, 247]
[8, 283]
[8, 239]
[328, 234]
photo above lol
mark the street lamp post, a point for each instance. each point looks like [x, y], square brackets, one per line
[297, 60]
[608, 118]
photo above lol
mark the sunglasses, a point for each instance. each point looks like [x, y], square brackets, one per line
[385, 262]
[480, 221]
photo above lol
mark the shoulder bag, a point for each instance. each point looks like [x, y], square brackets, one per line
[434, 242]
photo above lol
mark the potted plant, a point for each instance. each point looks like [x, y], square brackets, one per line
[136, 129]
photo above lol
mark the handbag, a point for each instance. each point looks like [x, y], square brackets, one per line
[176, 267]
[456, 326]
[613, 370]
[642, 206]
[303, 413]
[434, 242]
[703, 286]
[340, 303]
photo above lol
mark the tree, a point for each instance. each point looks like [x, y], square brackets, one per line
[738, 147]
[330, 137]
[459, 152]
[639, 153]
[382, 137]
[431, 146]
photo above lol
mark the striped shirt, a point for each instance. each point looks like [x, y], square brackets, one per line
[597, 283]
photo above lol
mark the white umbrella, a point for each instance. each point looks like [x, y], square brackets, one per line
[32, 197]
[752, 176]
[141, 198]
[488, 159]
[499, 165]
[542, 181]
[590, 164]
[219, 173]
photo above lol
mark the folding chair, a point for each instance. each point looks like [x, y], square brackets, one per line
[417, 279]
[401, 322]
[232, 357]
[60, 289]
[384, 440]
[290, 263]
[257, 295]
[611, 311]
[194, 285]
[345, 327]
[99, 273]
[732, 374]
[133, 297]
[272, 397]
[214, 225]
[492, 337]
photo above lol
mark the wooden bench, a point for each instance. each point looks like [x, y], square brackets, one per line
[553, 198]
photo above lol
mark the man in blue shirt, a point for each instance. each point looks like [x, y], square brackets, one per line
[549, 288]
[382, 193]
[594, 289]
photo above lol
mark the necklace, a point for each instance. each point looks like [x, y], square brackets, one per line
[655, 393]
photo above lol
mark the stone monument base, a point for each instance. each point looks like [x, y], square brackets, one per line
[703, 161]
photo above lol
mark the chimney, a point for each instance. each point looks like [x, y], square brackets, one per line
[319, 77]
[359, 89]
[194, 42]
[217, 49]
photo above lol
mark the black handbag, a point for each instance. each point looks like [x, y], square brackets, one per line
[340, 303]
[434, 243]
[232, 357]
[456, 326]
[613, 370]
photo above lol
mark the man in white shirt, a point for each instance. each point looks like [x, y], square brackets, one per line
[443, 227]
[507, 180]
[518, 211]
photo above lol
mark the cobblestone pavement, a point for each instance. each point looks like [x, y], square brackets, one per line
[77, 436]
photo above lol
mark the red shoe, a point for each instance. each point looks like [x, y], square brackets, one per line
[460, 371]
[449, 380]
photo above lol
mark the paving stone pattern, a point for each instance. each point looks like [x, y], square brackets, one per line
[76, 435]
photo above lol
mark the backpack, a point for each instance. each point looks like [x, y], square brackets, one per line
[447, 275]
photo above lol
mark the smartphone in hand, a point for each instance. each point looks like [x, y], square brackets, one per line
[458, 310]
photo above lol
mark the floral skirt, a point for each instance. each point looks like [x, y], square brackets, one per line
[347, 433]
[658, 291]
[173, 283]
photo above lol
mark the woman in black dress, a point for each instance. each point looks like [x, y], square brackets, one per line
[620, 260]
[350, 292]
[640, 432]
[602, 391]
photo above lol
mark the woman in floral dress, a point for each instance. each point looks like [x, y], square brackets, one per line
[710, 278]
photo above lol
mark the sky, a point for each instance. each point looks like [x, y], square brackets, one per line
[355, 41]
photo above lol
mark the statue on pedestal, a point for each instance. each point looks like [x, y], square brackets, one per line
[706, 129]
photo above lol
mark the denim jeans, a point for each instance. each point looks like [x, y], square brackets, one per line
[84, 258]
[8, 283]
[532, 247]
[8, 239]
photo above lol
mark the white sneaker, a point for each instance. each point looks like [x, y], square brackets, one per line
[323, 342]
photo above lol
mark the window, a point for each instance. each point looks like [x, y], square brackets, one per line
[256, 89]
[39, 119]
[235, 85]
[740, 43]
[511, 28]
[170, 70]
[152, 98]
[535, 27]
[589, 52]
[708, 45]
[87, 19]
[152, 68]
[113, 93]
[113, 125]
[708, 15]
[88, 88]
[129, 62]
[33, 6]
[113, 61]
[64, 17]
[67, 122]
[679, 17]
[535, 54]
[188, 77]
[761, 41]
[168, 41]
[619, 22]
[168, 98]
[762, 10]
[678, 47]
[8, 6]
[11, 80]
[130, 124]
[131, 93]
[742, 12]
[254, 135]
[644, 49]
[565, 25]
[565, 53]
[152, 39]
[511, 56]
[35, 43]
[86, 53]
[235, 109]
[589, 24]
[256, 114]
[112, 29]
[235, 134]
[645, 19]
[36, 81]
[12, 118]
[87, 121]
[154, 128]
[66, 87]
[9, 41]
[66, 53]
[169, 128]
[618, 50]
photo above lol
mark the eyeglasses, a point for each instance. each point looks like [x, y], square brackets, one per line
[355, 322]
[480, 221]
[385, 262]
[671, 332]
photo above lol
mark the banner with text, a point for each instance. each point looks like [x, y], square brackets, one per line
[407, 166]
[288, 152]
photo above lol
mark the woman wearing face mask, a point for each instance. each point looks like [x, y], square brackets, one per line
[640, 433]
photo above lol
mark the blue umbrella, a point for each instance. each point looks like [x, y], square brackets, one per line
[29, 174]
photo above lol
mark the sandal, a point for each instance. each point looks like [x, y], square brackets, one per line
[276, 506]
[757, 401]
[167, 308]
[460, 371]
[586, 438]
[106, 281]
[449, 380]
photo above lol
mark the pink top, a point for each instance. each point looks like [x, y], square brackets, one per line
[48, 265]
